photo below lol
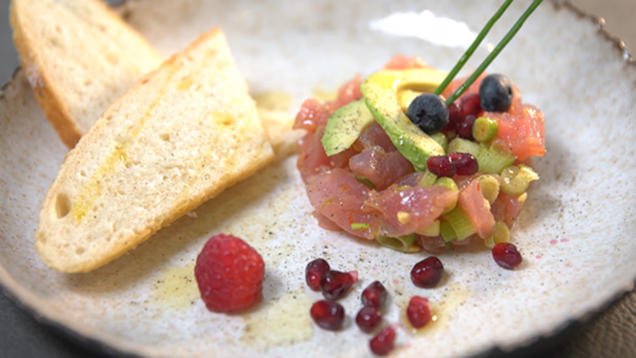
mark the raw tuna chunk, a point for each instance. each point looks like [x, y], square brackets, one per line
[408, 209]
[506, 208]
[379, 167]
[339, 197]
[522, 132]
[477, 209]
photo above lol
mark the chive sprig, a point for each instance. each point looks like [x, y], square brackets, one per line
[500, 46]
[471, 49]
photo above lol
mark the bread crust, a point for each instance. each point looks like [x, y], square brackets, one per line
[44, 89]
[50, 94]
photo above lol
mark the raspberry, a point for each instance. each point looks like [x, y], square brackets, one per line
[229, 273]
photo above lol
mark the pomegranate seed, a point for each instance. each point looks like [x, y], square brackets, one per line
[354, 275]
[470, 105]
[465, 127]
[335, 284]
[368, 318]
[465, 163]
[314, 272]
[454, 116]
[418, 311]
[327, 314]
[506, 255]
[427, 272]
[374, 295]
[383, 342]
[441, 165]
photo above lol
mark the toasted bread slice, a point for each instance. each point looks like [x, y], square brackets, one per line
[79, 57]
[178, 137]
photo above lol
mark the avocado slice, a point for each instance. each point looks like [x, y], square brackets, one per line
[344, 126]
[380, 94]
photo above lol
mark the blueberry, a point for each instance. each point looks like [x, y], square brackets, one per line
[428, 112]
[495, 93]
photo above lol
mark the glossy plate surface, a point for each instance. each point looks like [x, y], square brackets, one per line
[576, 232]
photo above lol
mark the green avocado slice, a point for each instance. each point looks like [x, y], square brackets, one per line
[344, 126]
[380, 94]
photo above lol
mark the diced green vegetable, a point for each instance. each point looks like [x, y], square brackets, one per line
[494, 158]
[489, 186]
[491, 159]
[431, 230]
[489, 242]
[501, 233]
[428, 179]
[447, 232]
[460, 223]
[485, 129]
[516, 179]
[402, 243]
[359, 226]
[441, 139]
[459, 145]
[447, 182]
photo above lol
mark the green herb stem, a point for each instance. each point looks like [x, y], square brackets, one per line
[471, 49]
[515, 28]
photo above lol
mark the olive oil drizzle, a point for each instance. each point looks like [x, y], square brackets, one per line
[93, 189]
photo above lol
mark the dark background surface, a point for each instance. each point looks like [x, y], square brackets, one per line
[611, 333]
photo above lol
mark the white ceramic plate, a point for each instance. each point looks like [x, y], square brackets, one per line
[576, 232]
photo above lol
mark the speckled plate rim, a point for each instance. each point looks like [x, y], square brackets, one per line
[25, 300]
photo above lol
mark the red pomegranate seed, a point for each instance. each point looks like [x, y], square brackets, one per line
[465, 127]
[441, 165]
[335, 284]
[454, 117]
[506, 255]
[470, 105]
[368, 318]
[383, 342]
[418, 311]
[327, 314]
[427, 272]
[374, 295]
[465, 163]
[354, 275]
[314, 272]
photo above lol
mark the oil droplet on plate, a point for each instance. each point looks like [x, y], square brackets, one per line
[176, 288]
[283, 321]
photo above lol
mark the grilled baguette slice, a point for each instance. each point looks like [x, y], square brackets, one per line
[79, 57]
[178, 137]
